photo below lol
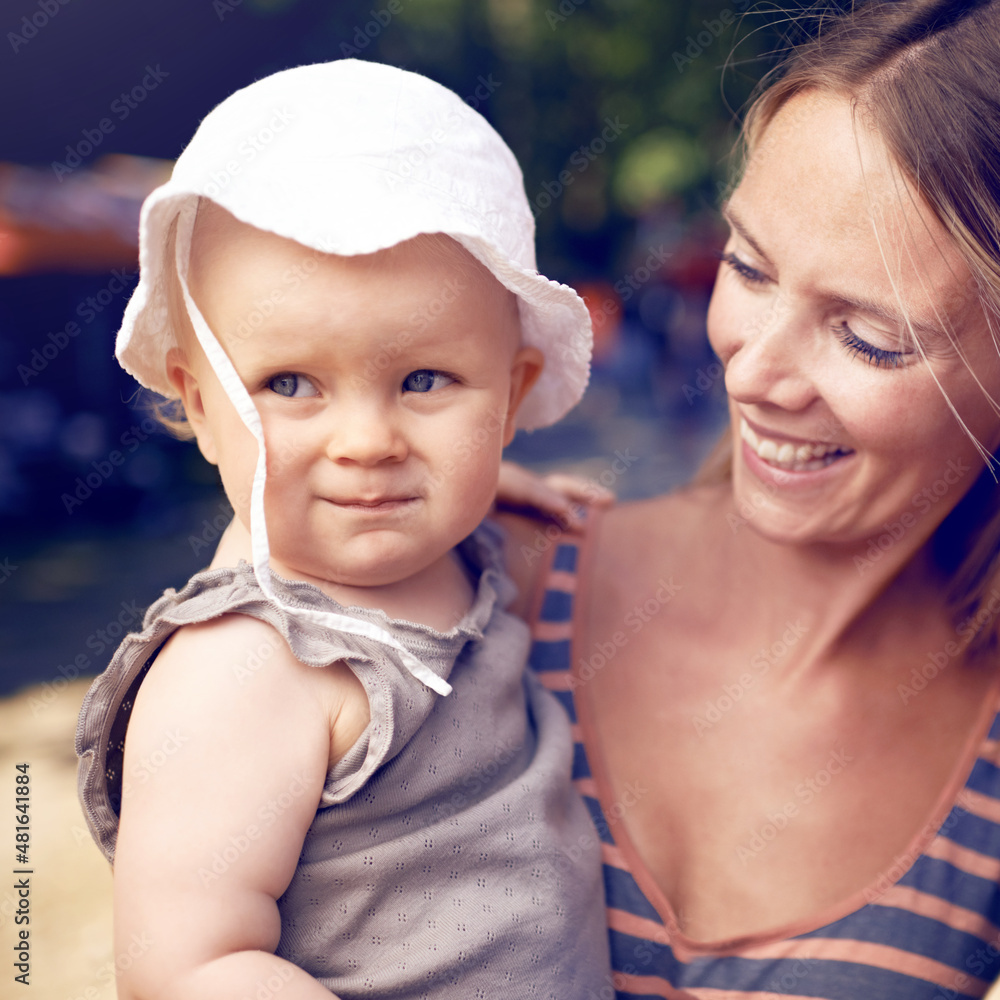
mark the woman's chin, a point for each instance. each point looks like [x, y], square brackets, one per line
[782, 521]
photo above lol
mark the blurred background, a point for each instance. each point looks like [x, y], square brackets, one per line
[621, 114]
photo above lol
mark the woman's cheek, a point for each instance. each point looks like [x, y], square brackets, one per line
[736, 315]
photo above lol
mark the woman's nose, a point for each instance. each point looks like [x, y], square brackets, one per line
[365, 433]
[766, 357]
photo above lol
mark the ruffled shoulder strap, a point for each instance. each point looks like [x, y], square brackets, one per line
[104, 717]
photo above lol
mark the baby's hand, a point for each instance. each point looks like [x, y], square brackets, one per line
[560, 496]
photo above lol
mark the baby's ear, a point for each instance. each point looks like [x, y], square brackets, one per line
[185, 384]
[525, 368]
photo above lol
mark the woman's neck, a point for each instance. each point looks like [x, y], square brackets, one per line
[835, 594]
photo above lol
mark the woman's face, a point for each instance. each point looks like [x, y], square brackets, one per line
[841, 429]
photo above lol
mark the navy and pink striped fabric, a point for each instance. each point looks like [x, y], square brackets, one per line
[929, 928]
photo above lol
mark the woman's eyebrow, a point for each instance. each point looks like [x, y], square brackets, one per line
[861, 305]
[734, 220]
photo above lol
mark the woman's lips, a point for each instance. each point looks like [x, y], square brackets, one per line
[791, 457]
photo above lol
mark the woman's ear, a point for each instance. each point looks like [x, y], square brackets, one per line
[185, 383]
[524, 371]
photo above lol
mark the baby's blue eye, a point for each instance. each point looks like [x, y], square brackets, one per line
[425, 379]
[292, 386]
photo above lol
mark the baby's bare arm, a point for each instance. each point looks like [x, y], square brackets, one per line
[225, 759]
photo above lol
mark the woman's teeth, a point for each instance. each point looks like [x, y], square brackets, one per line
[793, 458]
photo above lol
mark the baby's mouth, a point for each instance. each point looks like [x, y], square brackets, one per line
[374, 504]
[804, 457]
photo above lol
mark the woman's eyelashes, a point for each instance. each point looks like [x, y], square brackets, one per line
[744, 270]
[292, 386]
[426, 379]
[875, 356]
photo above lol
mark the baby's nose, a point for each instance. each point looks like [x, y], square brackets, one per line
[365, 435]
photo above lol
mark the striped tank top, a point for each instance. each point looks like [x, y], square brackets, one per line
[928, 929]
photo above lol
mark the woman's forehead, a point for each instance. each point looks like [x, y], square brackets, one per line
[824, 202]
[819, 141]
[821, 157]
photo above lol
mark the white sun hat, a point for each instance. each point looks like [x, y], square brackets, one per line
[350, 157]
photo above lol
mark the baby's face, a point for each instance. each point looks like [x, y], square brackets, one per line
[386, 384]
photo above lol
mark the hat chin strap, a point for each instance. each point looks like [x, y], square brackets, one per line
[260, 549]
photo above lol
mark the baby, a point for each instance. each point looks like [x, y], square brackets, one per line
[336, 775]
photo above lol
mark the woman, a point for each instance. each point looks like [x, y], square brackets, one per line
[785, 676]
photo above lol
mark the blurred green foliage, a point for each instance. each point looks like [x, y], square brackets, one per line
[616, 109]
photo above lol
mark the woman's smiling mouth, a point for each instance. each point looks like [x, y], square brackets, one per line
[789, 457]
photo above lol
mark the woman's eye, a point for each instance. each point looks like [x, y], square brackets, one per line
[292, 386]
[876, 356]
[749, 274]
[426, 379]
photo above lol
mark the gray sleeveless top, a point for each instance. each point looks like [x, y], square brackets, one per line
[450, 858]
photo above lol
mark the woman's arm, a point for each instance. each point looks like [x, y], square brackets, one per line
[225, 760]
[531, 508]
[558, 495]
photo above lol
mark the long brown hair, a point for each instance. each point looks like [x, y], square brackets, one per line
[926, 75]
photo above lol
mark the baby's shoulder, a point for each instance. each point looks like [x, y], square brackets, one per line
[237, 672]
[228, 650]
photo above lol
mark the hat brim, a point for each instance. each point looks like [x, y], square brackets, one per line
[554, 319]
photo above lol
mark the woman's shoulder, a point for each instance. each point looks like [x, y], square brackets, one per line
[639, 538]
[623, 537]
[670, 514]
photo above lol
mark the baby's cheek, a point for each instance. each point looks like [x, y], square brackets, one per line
[237, 476]
[285, 455]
